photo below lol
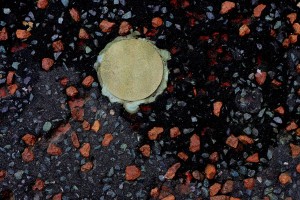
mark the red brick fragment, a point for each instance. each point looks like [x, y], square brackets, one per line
[3, 34]
[57, 196]
[124, 28]
[75, 14]
[71, 91]
[226, 7]
[54, 150]
[172, 171]
[210, 171]
[253, 158]
[232, 141]
[249, 183]
[145, 150]
[285, 178]
[38, 185]
[155, 132]
[83, 34]
[156, 22]
[108, 137]
[27, 155]
[75, 140]
[42, 4]
[2, 175]
[132, 172]
[85, 150]
[10, 77]
[87, 167]
[214, 189]
[58, 46]
[174, 132]
[194, 143]
[88, 81]
[47, 63]
[106, 26]
[258, 10]
[22, 34]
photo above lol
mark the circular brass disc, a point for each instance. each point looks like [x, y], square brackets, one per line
[131, 69]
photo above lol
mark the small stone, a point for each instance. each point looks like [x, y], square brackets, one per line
[210, 171]
[58, 46]
[57, 196]
[232, 141]
[214, 189]
[145, 150]
[3, 34]
[217, 108]
[88, 81]
[85, 150]
[245, 139]
[292, 17]
[22, 34]
[27, 155]
[227, 187]
[74, 14]
[42, 4]
[174, 132]
[157, 22]
[38, 185]
[2, 175]
[106, 26]
[71, 91]
[249, 183]
[83, 34]
[197, 175]
[253, 158]
[155, 132]
[260, 77]
[47, 126]
[226, 7]
[54, 150]
[258, 10]
[96, 126]
[75, 140]
[132, 172]
[86, 125]
[285, 178]
[124, 28]
[154, 193]
[47, 63]
[108, 137]
[172, 171]
[29, 139]
[295, 150]
[296, 27]
[183, 156]
[87, 167]
[194, 143]
[244, 30]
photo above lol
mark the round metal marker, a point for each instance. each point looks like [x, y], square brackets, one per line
[132, 71]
